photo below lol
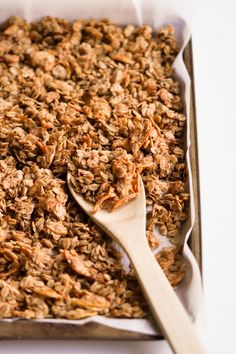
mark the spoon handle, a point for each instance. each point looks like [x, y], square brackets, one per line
[165, 305]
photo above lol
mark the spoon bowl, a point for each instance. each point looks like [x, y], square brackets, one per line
[132, 214]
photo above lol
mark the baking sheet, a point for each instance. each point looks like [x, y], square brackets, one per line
[156, 13]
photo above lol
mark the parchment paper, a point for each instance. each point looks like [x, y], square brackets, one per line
[156, 13]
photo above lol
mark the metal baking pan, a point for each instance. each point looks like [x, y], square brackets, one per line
[38, 330]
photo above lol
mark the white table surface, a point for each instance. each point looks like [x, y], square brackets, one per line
[214, 42]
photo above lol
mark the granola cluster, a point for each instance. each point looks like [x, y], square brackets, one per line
[98, 100]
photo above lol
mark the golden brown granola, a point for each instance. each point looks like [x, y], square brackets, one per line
[98, 100]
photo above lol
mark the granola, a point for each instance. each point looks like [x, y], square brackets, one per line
[98, 100]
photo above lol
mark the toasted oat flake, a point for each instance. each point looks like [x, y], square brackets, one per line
[100, 101]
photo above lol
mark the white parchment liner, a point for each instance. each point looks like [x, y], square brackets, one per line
[155, 13]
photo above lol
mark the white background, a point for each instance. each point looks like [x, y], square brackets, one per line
[214, 42]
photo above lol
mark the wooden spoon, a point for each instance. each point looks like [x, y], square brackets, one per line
[127, 226]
